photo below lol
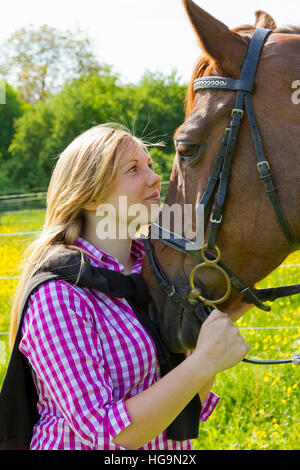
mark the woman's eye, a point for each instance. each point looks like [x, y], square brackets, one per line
[186, 150]
[133, 168]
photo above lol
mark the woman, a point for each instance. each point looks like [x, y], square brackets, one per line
[94, 365]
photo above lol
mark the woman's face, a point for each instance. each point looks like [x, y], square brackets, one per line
[136, 195]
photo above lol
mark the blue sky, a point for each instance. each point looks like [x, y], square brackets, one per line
[133, 35]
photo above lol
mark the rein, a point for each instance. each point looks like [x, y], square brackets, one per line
[197, 301]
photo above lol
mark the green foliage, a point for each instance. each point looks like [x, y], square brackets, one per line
[9, 112]
[163, 162]
[32, 137]
[259, 405]
[60, 91]
[151, 109]
[158, 107]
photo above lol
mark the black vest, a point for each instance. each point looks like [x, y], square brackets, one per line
[18, 396]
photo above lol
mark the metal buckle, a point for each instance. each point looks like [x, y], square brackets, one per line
[236, 110]
[264, 162]
[170, 294]
[215, 221]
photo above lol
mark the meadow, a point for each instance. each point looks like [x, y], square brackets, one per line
[259, 404]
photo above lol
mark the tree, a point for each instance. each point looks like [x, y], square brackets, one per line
[9, 112]
[49, 126]
[151, 109]
[159, 106]
[39, 61]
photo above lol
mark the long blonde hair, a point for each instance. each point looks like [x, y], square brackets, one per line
[85, 171]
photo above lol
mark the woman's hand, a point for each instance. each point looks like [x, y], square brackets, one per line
[220, 341]
[219, 346]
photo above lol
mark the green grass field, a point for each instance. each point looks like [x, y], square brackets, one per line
[259, 405]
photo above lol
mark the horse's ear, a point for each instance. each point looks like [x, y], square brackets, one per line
[217, 40]
[264, 20]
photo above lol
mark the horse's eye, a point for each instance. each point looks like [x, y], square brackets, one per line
[186, 150]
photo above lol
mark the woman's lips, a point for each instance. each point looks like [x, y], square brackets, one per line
[154, 197]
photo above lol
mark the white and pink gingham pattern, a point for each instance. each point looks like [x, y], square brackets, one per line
[89, 353]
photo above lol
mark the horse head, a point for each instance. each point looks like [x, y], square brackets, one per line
[250, 239]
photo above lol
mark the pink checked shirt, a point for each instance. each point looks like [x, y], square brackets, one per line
[89, 353]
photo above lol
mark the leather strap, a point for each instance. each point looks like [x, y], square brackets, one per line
[273, 293]
[247, 76]
[221, 83]
[177, 242]
[253, 53]
[263, 167]
[221, 170]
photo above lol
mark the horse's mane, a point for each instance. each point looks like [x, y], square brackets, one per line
[208, 64]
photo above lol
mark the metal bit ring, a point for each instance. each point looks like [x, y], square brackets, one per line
[210, 264]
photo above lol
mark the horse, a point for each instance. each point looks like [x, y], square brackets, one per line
[250, 240]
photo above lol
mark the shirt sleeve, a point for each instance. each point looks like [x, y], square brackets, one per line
[63, 347]
[208, 406]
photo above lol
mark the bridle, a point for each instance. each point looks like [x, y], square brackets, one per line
[197, 302]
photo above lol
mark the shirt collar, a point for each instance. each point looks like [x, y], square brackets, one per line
[110, 261]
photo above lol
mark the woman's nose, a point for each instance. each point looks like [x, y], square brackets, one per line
[154, 179]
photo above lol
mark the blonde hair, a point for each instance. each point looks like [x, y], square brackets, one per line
[85, 171]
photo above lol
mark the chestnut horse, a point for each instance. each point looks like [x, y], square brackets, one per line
[250, 239]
